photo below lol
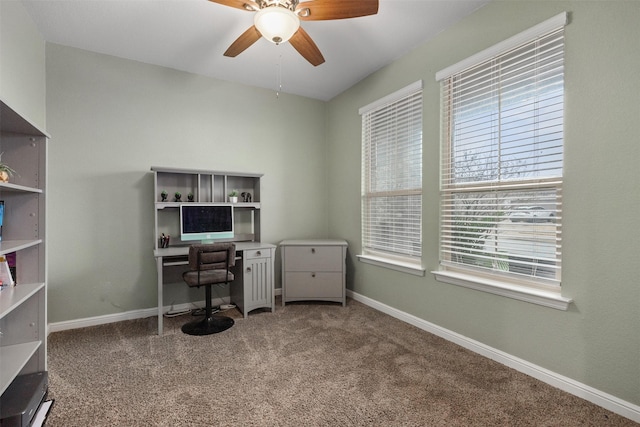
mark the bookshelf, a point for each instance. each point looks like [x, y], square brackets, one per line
[23, 307]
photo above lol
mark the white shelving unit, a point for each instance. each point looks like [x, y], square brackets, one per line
[23, 307]
[206, 187]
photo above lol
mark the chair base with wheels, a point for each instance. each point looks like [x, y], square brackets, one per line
[209, 265]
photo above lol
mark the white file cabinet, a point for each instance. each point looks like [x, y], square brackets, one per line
[313, 270]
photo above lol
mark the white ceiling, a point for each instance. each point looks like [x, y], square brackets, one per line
[192, 35]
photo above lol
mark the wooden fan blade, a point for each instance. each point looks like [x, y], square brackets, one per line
[302, 42]
[323, 10]
[238, 4]
[245, 40]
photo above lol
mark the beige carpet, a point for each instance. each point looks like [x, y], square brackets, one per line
[316, 364]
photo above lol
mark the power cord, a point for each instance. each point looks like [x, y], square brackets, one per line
[200, 311]
[177, 313]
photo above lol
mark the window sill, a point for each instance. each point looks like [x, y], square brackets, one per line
[534, 296]
[404, 267]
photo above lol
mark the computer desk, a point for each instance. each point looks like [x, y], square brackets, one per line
[252, 287]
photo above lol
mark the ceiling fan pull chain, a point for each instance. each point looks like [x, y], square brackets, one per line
[279, 76]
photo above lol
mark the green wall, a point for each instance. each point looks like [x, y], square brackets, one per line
[22, 64]
[111, 120]
[596, 342]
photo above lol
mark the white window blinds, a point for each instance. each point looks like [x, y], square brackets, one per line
[502, 160]
[392, 176]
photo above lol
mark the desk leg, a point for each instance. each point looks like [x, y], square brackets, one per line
[160, 298]
[272, 280]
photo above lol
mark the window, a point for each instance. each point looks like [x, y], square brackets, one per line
[502, 162]
[392, 180]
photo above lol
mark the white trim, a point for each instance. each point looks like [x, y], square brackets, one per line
[128, 315]
[583, 391]
[550, 24]
[522, 293]
[102, 320]
[400, 93]
[404, 267]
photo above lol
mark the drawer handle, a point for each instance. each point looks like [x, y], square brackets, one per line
[313, 250]
[313, 274]
[248, 269]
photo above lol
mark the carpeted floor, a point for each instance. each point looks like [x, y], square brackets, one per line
[315, 364]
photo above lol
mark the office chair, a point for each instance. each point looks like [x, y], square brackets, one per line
[209, 265]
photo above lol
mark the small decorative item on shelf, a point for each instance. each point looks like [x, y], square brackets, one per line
[5, 171]
[178, 196]
[190, 197]
[233, 196]
[246, 197]
[163, 196]
[163, 241]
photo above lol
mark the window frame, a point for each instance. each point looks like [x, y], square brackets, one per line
[398, 259]
[530, 289]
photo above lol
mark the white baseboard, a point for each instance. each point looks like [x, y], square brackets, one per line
[600, 398]
[101, 320]
[128, 315]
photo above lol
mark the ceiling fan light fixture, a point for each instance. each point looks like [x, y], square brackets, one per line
[276, 24]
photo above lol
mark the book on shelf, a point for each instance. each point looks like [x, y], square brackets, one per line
[6, 278]
[11, 260]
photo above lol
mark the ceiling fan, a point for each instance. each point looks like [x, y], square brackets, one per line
[279, 21]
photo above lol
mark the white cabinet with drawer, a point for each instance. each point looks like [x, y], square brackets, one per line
[313, 270]
[253, 284]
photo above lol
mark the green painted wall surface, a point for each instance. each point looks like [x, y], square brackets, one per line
[111, 120]
[22, 63]
[596, 342]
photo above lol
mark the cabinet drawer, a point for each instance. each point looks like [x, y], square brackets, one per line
[313, 285]
[313, 258]
[257, 253]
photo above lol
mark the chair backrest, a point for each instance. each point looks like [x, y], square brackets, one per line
[212, 256]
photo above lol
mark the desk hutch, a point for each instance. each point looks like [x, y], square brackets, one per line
[253, 286]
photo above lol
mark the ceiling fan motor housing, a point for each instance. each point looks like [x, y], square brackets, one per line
[276, 20]
[287, 4]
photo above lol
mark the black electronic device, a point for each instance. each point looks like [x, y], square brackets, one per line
[21, 400]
